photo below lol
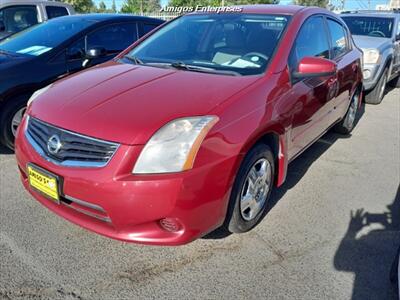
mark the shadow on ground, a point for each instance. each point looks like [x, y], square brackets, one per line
[371, 255]
[297, 169]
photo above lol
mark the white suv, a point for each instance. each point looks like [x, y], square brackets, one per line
[16, 15]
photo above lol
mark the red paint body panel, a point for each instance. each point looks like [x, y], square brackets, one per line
[127, 104]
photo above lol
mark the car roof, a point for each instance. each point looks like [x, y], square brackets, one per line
[110, 17]
[32, 2]
[272, 9]
[23, 2]
[374, 14]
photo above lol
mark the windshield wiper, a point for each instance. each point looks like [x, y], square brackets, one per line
[134, 59]
[182, 66]
[6, 53]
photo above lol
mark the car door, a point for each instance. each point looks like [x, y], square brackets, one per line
[113, 38]
[311, 96]
[347, 66]
[396, 62]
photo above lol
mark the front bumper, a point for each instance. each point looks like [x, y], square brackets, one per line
[374, 71]
[113, 202]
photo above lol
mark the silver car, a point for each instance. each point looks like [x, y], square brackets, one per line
[16, 15]
[377, 34]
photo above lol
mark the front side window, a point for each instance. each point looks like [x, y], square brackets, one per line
[56, 11]
[238, 43]
[338, 38]
[114, 38]
[370, 26]
[42, 38]
[17, 18]
[311, 41]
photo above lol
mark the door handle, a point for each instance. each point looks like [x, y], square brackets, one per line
[332, 82]
[354, 67]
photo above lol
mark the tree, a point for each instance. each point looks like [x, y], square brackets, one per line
[82, 6]
[102, 7]
[141, 6]
[320, 3]
[114, 7]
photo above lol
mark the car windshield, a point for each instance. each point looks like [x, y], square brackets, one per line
[42, 38]
[370, 26]
[236, 44]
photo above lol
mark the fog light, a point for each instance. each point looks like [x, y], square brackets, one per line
[171, 225]
[366, 74]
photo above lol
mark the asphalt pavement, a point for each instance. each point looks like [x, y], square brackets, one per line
[331, 233]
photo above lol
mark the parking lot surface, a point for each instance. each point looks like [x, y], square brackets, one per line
[331, 233]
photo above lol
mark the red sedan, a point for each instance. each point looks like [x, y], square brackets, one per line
[190, 128]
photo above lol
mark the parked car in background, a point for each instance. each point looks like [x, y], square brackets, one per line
[39, 55]
[16, 15]
[190, 128]
[378, 35]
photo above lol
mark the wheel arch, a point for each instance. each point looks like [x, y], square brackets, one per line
[275, 138]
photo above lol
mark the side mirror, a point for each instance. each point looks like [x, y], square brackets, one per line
[315, 67]
[96, 52]
[2, 26]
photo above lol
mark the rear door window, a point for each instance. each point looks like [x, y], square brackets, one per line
[339, 41]
[56, 11]
[114, 38]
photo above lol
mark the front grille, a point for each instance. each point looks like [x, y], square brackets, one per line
[67, 148]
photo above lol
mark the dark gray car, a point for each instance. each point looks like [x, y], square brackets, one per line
[377, 34]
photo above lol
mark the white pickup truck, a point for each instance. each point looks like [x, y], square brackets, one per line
[16, 15]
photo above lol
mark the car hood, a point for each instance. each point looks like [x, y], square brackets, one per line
[128, 103]
[368, 42]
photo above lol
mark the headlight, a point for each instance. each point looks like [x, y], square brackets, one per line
[173, 148]
[371, 56]
[38, 93]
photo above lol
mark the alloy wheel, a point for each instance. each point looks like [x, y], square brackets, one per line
[255, 189]
[16, 120]
[352, 111]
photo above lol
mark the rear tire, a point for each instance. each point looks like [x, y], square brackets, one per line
[346, 125]
[251, 190]
[10, 113]
[376, 95]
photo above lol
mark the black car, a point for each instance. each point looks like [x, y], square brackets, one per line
[395, 272]
[37, 56]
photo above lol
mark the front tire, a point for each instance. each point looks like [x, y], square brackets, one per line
[376, 95]
[395, 82]
[10, 117]
[251, 190]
